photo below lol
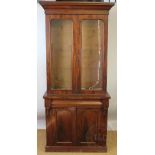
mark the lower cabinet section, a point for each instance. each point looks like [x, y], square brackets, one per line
[76, 126]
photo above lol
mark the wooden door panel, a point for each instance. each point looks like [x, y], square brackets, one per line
[64, 126]
[92, 126]
[87, 122]
[61, 125]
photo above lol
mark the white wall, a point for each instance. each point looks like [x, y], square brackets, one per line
[41, 66]
[112, 67]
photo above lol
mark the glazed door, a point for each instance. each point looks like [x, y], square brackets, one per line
[93, 49]
[61, 56]
[61, 53]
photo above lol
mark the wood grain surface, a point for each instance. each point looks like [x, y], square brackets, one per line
[76, 101]
[111, 142]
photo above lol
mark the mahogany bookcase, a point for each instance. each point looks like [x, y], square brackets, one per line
[76, 99]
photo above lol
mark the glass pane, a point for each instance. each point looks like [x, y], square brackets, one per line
[92, 50]
[61, 44]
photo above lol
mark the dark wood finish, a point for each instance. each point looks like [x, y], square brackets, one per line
[87, 123]
[76, 119]
[105, 54]
[64, 122]
[76, 123]
[48, 53]
[76, 148]
[76, 5]
[92, 125]
[77, 96]
[76, 64]
[75, 12]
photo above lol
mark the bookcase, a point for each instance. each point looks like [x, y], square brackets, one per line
[76, 100]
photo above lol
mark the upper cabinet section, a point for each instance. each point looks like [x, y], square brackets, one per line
[76, 46]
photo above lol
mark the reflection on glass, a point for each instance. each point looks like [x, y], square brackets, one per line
[61, 45]
[92, 46]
